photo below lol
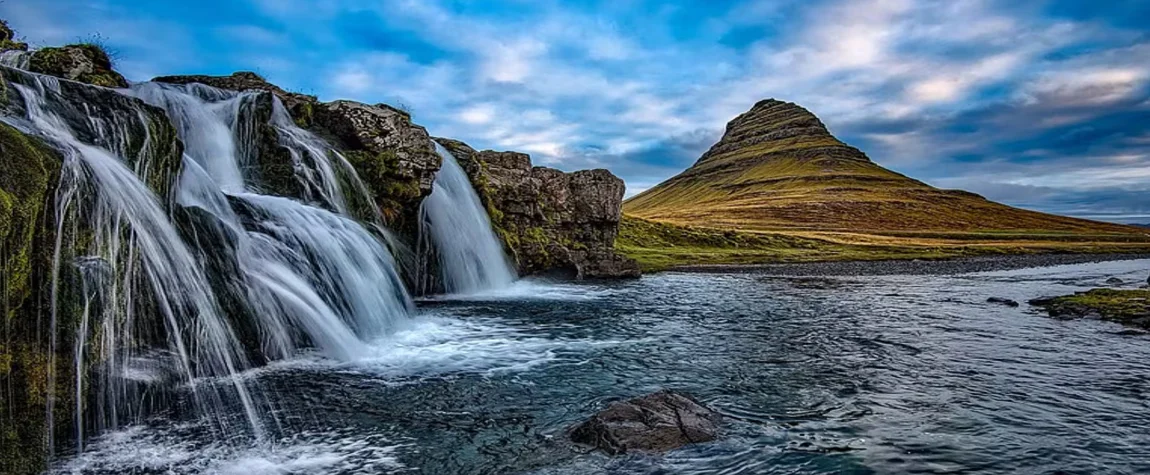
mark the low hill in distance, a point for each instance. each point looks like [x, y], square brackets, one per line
[794, 192]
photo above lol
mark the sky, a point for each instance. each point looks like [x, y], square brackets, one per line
[1043, 105]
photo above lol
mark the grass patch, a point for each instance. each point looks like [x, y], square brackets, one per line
[1130, 307]
[659, 246]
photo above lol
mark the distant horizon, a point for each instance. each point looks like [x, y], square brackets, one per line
[1041, 107]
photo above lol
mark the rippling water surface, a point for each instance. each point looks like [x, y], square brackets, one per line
[882, 374]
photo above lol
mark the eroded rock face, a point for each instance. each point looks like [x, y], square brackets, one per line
[86, 63]
[654, 423]
[551, 221]
[395, 157]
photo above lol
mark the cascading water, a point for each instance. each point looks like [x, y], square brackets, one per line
[129, 240]
[304, 268]
[173, 301]
[471, 256]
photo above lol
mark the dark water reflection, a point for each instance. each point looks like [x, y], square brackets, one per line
[871, 374]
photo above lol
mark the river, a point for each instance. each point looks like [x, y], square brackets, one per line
[829, 374]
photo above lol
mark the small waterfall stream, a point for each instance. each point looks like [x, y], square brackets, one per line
[471, 257]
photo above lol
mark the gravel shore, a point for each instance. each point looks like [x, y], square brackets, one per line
[917, 266]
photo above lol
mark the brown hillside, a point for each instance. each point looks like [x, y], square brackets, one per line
[778, 168]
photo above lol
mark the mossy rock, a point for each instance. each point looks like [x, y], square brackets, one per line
[1128, 307]
[29, 174]
[86, 63]
[8, 39]
[395, 195]
[25, 180]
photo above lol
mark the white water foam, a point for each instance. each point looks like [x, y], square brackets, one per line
[528, 289]
[146, 449]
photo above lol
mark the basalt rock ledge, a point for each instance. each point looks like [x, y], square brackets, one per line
[549, 220]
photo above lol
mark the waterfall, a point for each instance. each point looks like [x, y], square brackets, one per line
[131, 237]
[306, 268]
[167, 296]
[471, 256]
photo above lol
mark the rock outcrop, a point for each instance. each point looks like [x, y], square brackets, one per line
[87, 63]
[550, 221]
[297, 104]
[395, 157]
[8, 40]
[1002, 301]
[654, 423]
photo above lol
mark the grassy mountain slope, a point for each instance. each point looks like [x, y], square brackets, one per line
[778, 170]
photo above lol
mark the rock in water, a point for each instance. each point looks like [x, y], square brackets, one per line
[1114, 281]
[653, 423]
[1000, 300]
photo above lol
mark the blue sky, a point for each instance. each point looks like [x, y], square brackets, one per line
[1043, 105]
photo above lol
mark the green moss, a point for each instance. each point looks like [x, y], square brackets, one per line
[535, 235]
[1130, 307]
[62, 61]
[24, 184]
[8, 45]
[303, 114]
[380, 172]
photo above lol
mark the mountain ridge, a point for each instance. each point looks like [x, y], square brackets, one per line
[778, 167]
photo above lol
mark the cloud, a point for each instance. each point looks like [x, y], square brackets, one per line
[1036, 104]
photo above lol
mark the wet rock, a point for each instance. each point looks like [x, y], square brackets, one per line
[395, 157]
[1002, 301]
[1114, 281]
[86, 63]
[1128, 307]
[550, 221]
[654, 423]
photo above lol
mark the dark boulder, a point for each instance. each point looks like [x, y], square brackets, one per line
[87, 63]
[1002, 301]
[1114, 281]
[653, 423]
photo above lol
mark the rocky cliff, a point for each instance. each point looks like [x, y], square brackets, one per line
[551, 221]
